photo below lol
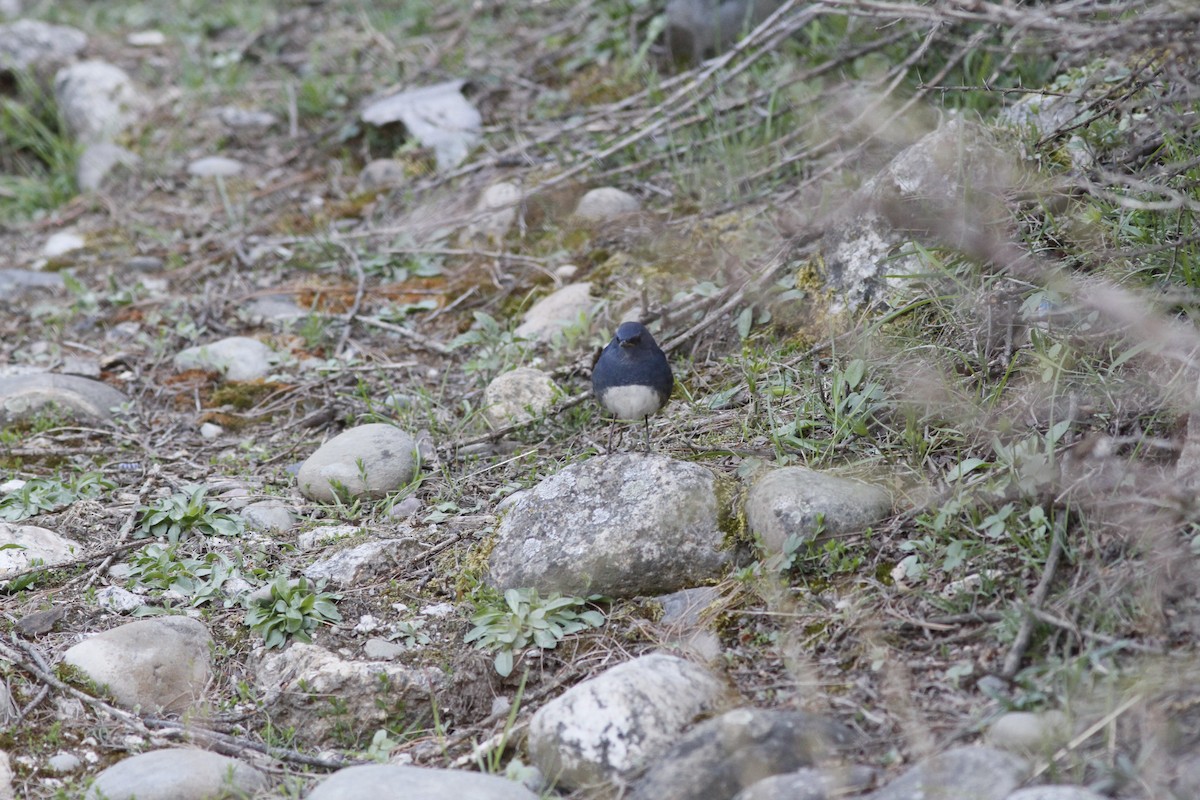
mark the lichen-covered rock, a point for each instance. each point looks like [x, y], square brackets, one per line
[803, 502]
[619, 525]
[605, 729]
[320, 694]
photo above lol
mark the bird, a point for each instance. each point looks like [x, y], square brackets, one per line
[632, 378]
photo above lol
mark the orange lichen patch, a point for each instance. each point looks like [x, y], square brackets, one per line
[415, 290]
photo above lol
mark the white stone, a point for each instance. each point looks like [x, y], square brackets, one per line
[605, 729]
[437, 116]
[61, 243]
[215, 167]
[119, 600]
[239, 358]
[98, 100]
[211, 430]
[570, 305]
[33, 544]
[606, 203]
[518, 395]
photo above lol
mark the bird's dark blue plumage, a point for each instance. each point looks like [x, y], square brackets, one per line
[632, 378]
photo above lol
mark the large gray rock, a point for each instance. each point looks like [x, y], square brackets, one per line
[29, 43]
[300, 684]
[980, 773]
[175, 774]
[605, 729]
[397, 782]
[518, 395]
[787, 501]
[438, 117]
[940, 191]
[619, 525]
[158, 664]
[565, 307]
[720, 757]
[369, 460]
[238, 358]
[98, 100]
[34, 544]
[23, 396]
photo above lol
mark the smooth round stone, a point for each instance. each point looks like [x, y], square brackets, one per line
[556, 311]
[517, 396]
[271, 516]
[397, 782]
[61, 243]
[215, 167]
[239, 358]
[382, 173]
[98, 100]
[176, 774]
[157, 664]
[790, 501]
[606, 203]
[62, 763]
[369, 460]
[1026, 732]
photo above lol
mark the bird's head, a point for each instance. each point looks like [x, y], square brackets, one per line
[630, 334]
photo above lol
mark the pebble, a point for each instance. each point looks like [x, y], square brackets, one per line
[98, 160]
[726, 754]
[368, 692]
[270, 516]
[437, 116]
[61, 243]
[383, 173]
[28, 43]
[356, 565]
[606, 203]
[215, 167]
[32, 544]
[517, 396]
[247, 119]
[238, 358]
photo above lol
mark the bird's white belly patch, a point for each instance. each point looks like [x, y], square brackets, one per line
[630, 402]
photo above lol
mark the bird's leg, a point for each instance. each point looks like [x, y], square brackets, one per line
[612, 423]
[646, 419]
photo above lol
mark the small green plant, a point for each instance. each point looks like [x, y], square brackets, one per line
[509, 624]
[496, 348]
[188, 511]
[291, 611]
[50, 494]
[165, 568]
